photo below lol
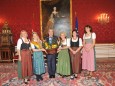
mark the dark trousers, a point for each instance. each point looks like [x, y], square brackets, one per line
[51, 61]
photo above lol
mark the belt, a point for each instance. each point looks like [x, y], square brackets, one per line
[25, 49]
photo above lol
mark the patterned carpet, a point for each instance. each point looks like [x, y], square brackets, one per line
[104, 76]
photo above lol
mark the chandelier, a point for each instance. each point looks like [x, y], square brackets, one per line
[103, 18]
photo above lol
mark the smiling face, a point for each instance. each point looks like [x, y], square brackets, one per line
[35, 36]
[74, 34]
[24, 34]
[50, 32]
[87, 29]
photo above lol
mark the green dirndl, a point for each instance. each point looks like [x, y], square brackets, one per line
[19, 70]
[63, 65]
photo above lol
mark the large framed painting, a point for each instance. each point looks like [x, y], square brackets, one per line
[57, 15]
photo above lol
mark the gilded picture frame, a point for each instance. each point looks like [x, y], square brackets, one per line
[57, 15]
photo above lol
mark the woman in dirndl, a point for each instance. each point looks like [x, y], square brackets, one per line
[63, 65]
[88, 57]
[75, 53]
[38, 59]
[25, 60]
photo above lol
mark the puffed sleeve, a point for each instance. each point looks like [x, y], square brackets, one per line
[68, 41]
[80, 42]
[19, 44]
[93, 35]
[32, 46]
[84, 36]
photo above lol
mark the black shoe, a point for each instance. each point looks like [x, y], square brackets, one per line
[75, 76]
[38, 80]
[72, 77]
[25, 81]
[63, 76]
[41, 78]
[28, 80]
[50, 76]
[53, 76]
[38, 77]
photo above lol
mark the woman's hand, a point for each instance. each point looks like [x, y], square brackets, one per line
[59, 49]
[44, 50]
[87, 49]
[71, 50]
[74, 52]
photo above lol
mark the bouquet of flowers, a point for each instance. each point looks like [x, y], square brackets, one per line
[51, 48]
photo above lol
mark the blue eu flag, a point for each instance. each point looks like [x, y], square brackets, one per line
[76, 24]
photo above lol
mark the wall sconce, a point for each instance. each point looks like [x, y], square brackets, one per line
[103, 18]
[1, 21]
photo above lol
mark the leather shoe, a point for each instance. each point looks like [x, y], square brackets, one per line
[50, 76]
[41, 78]
[53, 76]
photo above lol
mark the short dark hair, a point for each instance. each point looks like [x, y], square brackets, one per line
[88, 27]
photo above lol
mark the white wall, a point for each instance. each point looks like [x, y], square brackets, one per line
[105, 50]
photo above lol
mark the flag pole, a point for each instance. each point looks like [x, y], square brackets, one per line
[32, 23]
[76, 22]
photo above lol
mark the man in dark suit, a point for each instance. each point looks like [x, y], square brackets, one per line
[51, 58]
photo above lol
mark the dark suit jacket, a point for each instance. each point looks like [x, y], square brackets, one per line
[54, 40]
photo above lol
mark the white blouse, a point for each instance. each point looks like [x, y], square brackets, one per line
[80, 41]
[32, 46]
[19, 43]
[93, 36]
[66, 42]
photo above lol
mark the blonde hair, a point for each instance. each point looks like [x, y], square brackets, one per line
[50, 29]
[63, 33]
[38, 39]
[22, 32]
